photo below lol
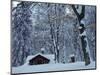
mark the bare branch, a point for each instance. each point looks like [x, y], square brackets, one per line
[74, 9]
[82, 14]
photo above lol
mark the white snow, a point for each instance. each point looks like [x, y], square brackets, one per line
[52, 67]
[80, 27]
[84, 33]
[42, 49]
[14, 3]
[72, 55]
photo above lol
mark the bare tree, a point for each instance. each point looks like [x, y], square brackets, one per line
[85, 48]
[21, 33]
[55, 29]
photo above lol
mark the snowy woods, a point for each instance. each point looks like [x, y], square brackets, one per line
[63, 30]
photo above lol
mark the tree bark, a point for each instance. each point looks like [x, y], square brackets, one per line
[82, 30]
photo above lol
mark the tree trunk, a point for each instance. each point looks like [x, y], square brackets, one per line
[84, 42]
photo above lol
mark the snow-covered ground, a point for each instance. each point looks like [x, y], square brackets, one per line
[51, 67]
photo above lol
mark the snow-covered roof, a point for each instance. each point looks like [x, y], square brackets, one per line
[71, 55]
[48, 56]
[42, 49]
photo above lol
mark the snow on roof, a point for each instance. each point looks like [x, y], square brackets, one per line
[72, 55]
[42, 49]
[48, 56]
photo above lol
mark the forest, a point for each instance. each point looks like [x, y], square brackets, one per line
[64, 30]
